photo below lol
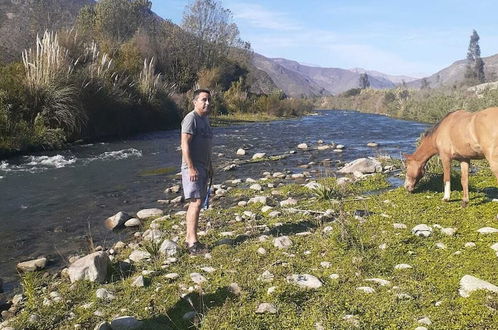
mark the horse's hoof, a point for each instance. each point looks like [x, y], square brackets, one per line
[445, 199]
[465, 203]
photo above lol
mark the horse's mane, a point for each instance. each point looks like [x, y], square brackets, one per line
[431, 130]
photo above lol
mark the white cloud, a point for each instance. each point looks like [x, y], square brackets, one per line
[260, 17]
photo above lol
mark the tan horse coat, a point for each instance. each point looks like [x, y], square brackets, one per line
[461, 136]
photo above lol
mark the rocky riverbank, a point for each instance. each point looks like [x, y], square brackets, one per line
[294, 250]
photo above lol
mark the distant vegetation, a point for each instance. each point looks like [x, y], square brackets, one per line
[122, 70]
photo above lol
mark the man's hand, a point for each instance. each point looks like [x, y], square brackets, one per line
[193, 174]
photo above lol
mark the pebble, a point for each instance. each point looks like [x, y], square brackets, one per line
[261, 251]
[402, 266]
[282, 242]
[305, 280]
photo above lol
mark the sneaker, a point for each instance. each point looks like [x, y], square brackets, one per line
[196, 249]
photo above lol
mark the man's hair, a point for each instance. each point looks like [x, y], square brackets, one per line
[201, 90]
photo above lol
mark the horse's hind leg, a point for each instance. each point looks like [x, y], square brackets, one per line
[464, 166]
[446, 161]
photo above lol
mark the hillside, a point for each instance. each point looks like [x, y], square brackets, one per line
[455, 73]
[297, 80]
[22, 20]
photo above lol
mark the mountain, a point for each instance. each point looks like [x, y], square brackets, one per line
[393, 78]
[296, 79]
[455, 73]
[22, 20]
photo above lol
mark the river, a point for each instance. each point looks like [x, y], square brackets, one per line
[51, 201]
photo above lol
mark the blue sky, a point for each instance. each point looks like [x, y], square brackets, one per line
[414, 38]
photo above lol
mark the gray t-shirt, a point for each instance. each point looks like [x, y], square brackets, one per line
[201, 144]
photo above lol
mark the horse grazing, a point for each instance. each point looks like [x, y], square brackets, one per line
[462, 136]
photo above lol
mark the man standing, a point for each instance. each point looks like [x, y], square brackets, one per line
[196, 144]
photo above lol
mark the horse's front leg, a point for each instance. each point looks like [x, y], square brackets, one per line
[464, 166]
[446, 161]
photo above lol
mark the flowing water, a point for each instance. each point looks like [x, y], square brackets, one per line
[50, 202]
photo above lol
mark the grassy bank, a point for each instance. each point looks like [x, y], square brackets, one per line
[427, 105]
[357, 244]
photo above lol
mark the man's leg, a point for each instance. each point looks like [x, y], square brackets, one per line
[193, 211]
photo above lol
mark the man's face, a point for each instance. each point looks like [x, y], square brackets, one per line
[201, 103]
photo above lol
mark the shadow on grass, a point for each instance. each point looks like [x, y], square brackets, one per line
[194, 305]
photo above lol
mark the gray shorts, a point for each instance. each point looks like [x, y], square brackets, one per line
[195, 189]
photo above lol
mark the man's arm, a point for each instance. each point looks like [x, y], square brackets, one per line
[185, 144]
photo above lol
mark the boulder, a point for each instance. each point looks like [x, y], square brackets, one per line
[363, 165]
[32, 265]
[125, 323]
[93, 267]
[116, 221]
[148, 213]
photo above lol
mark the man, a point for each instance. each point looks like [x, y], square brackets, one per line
[196, 144]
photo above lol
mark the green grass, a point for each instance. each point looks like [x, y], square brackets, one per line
[359, 227]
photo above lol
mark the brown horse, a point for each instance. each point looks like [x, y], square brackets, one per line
[462, 136]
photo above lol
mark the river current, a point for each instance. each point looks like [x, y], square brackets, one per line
[51, 201]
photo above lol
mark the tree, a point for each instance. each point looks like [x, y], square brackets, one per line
[424, 84]
[115, 20]
[474, 72]
[212, 25]
[364, 81]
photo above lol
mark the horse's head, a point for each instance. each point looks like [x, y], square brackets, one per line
[415, 170]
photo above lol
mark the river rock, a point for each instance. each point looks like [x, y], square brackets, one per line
[104, 294]
[372, 144]
[173, 189]
[103, 326]
[148, 213]
[494, 247]
[116, 221]
[448, 231]
[469, 284]
[266, 276]
[241, 152]
[258, 199]
[138, 255]
[256, 187]
[288, 201]
[230, 167]
[282, 242]
[302, 146]
[168, 248]
[487, 230]
[32, 265]
[363, 165]
[197, 278]
[266, 308]
[234, 288]
[155, 235]
[402, 266]
[139, 282]
[366, 289]
[259, 155]
[379, 281]
[305, 281]
[279, 175]
[133, 222]
[422, 230]
[125, 323]
[93, 267]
